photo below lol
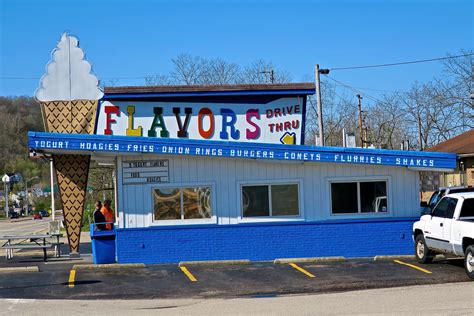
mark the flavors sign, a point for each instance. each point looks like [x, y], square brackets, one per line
[276, 122]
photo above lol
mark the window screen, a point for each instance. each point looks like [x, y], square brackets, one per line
[344, 198]
[284, 200]
[270, 200]
[359, 197]
[373, 197]
[255, 201]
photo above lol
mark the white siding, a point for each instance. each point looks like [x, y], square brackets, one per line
[226, 174]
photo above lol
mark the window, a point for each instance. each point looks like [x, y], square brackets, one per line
[436, 197]
[467, 208]
[182, 203]
[445, 208]
[270, 200]
[359, 197]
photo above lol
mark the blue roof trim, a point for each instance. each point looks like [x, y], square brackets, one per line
[115, 96]
[129, 144]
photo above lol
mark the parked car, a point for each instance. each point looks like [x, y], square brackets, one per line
[448, 230]
[44, 213]
[426, 207]
[37, 216]
[14, 215]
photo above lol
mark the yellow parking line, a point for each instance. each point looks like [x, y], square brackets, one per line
[72, 275]
[188, 274]
[412, 266]
[302, 270]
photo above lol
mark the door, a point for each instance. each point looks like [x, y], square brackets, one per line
[449, 223]
[437, 236]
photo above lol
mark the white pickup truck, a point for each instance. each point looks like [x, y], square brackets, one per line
[449, 230]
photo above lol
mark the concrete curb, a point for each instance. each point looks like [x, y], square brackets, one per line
[111, 266]
[378, 258]
[316, 259]
[22, 220]
[212, 262]
[19, 269]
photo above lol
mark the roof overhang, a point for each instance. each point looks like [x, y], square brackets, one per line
[116, 93]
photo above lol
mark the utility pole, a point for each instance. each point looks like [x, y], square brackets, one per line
[420, 139]
[317, 80]
[361, 135]
[271, 73]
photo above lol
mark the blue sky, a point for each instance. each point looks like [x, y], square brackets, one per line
[138, 38]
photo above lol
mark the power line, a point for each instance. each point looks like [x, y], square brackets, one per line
[401, 63]
[370, 89]
[356, 90]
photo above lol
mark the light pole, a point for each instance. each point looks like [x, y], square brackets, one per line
[27, 196]
[53, 208]
[7, 207]
[317, 80]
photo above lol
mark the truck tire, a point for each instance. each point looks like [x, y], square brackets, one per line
[422, 253]
[469, 261]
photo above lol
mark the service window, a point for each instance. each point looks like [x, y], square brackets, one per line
[274, 200]
[182, 203]
[359, 197]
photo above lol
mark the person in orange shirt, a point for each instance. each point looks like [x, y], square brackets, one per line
[108, 214]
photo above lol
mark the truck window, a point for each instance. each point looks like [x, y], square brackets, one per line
[435, 198]
[445, 208]
[467, 208]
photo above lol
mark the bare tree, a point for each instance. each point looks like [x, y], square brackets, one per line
[158, 80]
[194, 70]
[458, 86]
[218, 71]
[339, 113]
[260, 71]
[386, 123]
[188, 69]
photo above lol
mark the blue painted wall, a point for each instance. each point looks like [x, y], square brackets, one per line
[349, 238]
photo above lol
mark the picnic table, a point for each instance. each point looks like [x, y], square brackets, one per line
[33, 241]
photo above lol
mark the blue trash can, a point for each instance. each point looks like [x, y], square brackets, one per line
[103, 245]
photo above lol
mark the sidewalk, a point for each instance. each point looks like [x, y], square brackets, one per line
[28, 257]
[417, 300]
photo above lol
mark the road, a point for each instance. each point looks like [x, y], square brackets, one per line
[440, 299]
[22, 226]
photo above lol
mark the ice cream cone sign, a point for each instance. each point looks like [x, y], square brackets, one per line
[69, 96]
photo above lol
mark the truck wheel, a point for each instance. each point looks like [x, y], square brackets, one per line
[469, 261]
[422, 253]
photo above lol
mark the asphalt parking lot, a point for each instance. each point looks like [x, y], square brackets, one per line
[257, 279]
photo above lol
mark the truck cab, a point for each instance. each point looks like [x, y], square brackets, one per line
[427, 207]
[448, 229]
